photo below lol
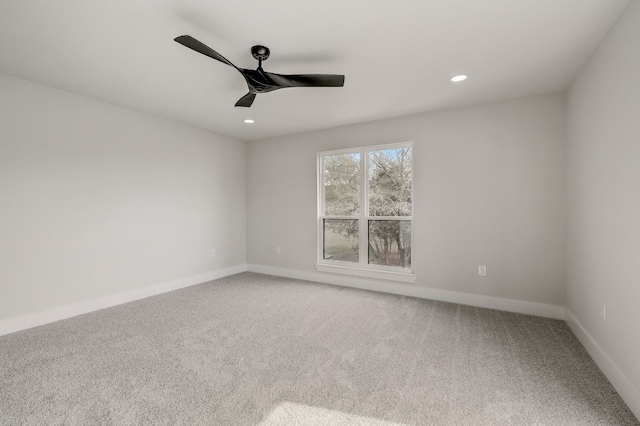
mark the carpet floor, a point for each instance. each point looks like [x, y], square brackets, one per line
[252, 349]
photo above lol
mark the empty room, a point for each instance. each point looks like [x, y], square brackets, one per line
[434, 222]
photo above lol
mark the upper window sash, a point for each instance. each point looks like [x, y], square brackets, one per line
[364, 181]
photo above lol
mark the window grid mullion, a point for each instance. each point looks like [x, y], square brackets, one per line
[321, 202]
[368, 218]
[364, 207]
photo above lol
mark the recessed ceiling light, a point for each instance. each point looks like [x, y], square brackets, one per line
[459, 77]
[249, 121]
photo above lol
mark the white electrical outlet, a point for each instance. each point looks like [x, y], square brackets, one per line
[213, 252]
[482, 270]
[603, 312]
[278, 250]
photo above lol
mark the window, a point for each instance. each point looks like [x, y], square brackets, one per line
[365, 211]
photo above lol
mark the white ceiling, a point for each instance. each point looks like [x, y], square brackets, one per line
[397, 56]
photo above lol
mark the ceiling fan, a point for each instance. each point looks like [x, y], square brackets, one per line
[259, 80]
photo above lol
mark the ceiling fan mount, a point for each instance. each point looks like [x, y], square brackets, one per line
[259, 80]
[261, 53]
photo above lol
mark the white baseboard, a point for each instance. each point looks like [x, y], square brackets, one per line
[23, 322]
[629, 393]
[502, 304]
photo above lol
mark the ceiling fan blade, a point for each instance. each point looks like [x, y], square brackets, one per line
[307, 80]
[246, 100]
[200, 47]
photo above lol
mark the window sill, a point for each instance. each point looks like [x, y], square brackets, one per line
[405, 277]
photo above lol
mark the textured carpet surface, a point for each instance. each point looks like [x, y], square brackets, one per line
[252, 349]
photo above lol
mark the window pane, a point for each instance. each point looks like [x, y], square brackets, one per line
[390, 182]
[341, 240]
[341, 174]
[390, 243]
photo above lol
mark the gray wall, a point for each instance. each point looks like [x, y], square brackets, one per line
[603, 174]
[97, 200]
[489, 189]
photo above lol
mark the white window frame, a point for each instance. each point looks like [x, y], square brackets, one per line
[361, 269]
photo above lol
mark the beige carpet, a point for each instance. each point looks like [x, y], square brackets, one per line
[258, 350]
